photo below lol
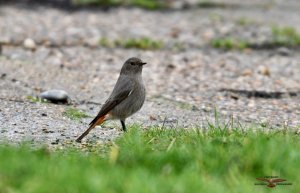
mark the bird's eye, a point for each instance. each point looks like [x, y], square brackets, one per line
[132, 63]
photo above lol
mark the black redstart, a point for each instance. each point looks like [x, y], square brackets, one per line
[127, 97]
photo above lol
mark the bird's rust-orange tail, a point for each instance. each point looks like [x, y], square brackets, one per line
[93, 124]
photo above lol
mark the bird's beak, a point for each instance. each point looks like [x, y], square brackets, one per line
[143, 63]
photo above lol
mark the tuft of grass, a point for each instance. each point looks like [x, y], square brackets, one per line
[210, 4]
[144, 43]
[243, 21]
[285, 36]
[229, 43]
[159, 160]
[146, 4]
[36, 99]
[106, 43]
[98, 2]
[149, 4]
[75, 114]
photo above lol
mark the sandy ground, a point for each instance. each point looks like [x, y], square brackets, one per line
[184, 86]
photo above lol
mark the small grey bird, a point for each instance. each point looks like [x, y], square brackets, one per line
[127, 97]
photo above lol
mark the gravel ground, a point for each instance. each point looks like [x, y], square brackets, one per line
[184, 86]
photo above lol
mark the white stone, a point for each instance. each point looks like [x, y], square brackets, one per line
[29, 44]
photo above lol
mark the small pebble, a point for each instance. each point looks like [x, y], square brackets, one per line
[264, 70]
[195, 108]
[283, 51]
[3, 76]
[55, 96]
[44, 114]
[171, 66]
[171, 120]
[247, 72]
[55, 142]
[47, 131]
[234, 96]
[29, 44]
[152, 118]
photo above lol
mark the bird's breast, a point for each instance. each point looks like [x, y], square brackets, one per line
[132, 103]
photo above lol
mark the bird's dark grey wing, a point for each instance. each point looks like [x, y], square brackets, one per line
[121, 91]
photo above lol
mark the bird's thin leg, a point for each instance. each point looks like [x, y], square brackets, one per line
[123, 125]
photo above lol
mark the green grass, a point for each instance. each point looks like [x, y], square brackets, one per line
[146, 4]
[281, 36]
[75, 114]
[211, 4]
[244, 21]
[97, 2]
[229, 43]
[159, 161]
[36, 99]
[285, 36]
[144, 43]
[106, 43]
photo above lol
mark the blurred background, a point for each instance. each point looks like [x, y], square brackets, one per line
[238, 58]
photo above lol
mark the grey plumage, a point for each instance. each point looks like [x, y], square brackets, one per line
[127, 97]
[134, 101]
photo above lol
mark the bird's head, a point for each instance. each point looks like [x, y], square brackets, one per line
[132, 66]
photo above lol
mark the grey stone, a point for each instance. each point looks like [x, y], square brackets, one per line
[55, 96]
[283, 51]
